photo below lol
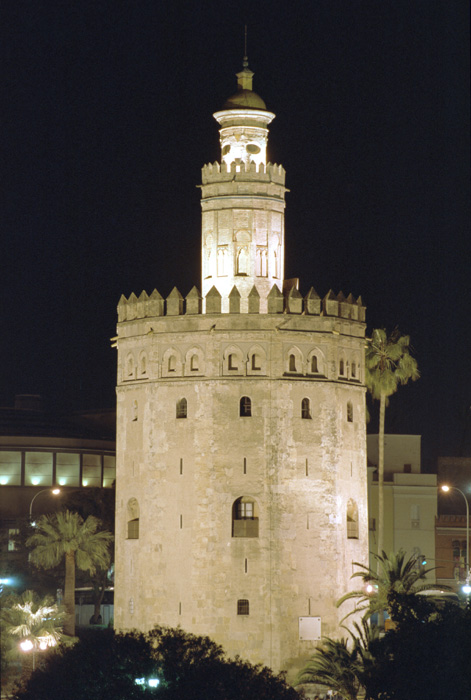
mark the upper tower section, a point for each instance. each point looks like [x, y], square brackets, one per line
[243, 202]
[244, 120]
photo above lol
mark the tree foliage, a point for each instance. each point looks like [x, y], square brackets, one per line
[394, 574]
[28, 617]
[425, 655]
[68, 536]
[388, 364]
[105, 664]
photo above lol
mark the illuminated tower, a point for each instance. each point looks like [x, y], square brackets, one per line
[241, 459]
[243, 202]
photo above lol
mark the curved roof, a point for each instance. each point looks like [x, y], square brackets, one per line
[247, 99]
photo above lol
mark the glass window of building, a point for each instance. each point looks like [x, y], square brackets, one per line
[109, 471]
[10, 468]
[68, 469]
[91, 473]
[38, 468]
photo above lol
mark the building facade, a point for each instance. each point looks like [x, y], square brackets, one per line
[410, 500]
[241, 449]
[39, 452]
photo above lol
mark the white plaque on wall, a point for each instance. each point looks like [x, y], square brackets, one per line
[309, 628]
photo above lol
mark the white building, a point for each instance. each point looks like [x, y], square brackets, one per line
[241, 447]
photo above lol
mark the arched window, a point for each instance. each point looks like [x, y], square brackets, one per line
[245, 407]
[194, 365]
[222, 262]
[242, 261]
[314, 368]
[256, 361]
[133, 519]
[142, 364]
[341, 368]
[352, 520]
[306, 408]
[232, 362]
[182, 408]
[130, 366]
[244, 517]
[243, 606]
[354, 370]
[172, 363]
[292, 363]
[349, 412]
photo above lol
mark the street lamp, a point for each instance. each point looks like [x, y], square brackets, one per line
[447, 488]
[53, 491]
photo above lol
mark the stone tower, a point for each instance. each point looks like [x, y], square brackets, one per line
[241, 454]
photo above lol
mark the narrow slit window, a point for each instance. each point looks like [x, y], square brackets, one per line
[354, 370]
[232, 362]
[349, 412]
[341, 368]
[243, 606]
[306, 408]
[314, 368]
[182, 408]
[245, 407]
[292, 363]
[352, 520]
[172, 363]
[194, 367]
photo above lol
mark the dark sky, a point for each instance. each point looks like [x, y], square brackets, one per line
[106, 121]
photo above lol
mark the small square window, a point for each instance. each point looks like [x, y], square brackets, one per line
[243, 607]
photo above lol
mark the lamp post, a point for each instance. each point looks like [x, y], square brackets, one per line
[447, 488]
[55, 492]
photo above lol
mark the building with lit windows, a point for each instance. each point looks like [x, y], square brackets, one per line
[241, 496]
[39, 452]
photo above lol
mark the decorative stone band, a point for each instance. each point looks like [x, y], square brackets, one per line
[292, 302]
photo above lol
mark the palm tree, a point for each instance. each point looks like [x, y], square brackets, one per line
[388, 364]
[334, 665]
[36, 621]
[394, 575]
[67, 535]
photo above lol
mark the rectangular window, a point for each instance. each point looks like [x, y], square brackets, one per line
[133, 529]
[91, 471]
[38, 468]
[12, 543]
[10, 468]
[68, 469]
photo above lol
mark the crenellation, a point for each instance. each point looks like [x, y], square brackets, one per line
[213, 301]
[330, 304]
[194, 301]
[254, 301]
[141, 303]
[174, 303]
[275, 302]
[312, 303]
[294, 301]
[234, 301]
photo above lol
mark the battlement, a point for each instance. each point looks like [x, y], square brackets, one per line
[291, 302]
[217, 172]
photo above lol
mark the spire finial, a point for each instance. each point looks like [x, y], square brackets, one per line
[245, 62]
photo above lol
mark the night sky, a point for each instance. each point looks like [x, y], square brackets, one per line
[106, 121]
